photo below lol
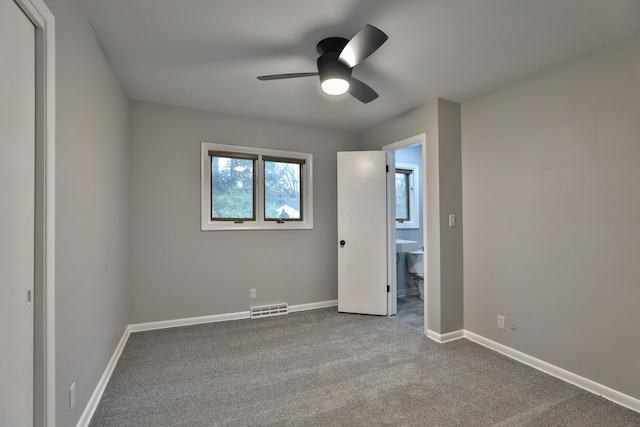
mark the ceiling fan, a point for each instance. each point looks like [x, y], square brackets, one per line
[337, 58]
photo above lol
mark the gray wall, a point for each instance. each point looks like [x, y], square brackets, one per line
[451, 268]
[92, 209]
[551, 174]
[439, 121]
[179, 271]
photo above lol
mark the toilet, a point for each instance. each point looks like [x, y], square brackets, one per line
[415, 265]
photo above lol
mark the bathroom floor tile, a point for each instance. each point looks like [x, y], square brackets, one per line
[411, 311]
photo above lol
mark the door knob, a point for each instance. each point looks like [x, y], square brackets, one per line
[342, 242]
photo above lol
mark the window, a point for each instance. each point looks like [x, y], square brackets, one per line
[282, 191]
[407, 196]
[245, 188]
[233, 196]
[403, 195]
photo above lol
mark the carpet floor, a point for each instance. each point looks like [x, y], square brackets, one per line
[323, 368]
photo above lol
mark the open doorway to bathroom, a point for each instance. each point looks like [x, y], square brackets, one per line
[410, 231]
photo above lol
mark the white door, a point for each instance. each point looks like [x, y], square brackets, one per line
[17, 194]
[362, 232]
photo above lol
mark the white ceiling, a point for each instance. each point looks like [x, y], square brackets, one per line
[206, 54]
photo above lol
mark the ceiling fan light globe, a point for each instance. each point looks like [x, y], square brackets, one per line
[335, 86]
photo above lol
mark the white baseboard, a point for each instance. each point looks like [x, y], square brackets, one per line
[102, 384]
[164, 324]
[313, 306]
[449, 336]
[567, 376]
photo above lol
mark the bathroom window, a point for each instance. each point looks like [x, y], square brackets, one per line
[403, 194]
[246, 188]
[407, 196]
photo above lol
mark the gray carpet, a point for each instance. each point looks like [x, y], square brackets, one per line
[322, 368]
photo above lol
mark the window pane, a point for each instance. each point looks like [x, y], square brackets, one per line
[232, 192]
[282, 190]
[402, 196]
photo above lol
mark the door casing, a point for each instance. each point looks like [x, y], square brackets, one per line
[44, 227]
[17, 215]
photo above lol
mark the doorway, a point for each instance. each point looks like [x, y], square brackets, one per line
[406, 300]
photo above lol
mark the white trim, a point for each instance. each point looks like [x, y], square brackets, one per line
[188, 321]
[94, 400]
[443, 338]
[567, 376]
[413, 140]
[392, 267]
[313, 306]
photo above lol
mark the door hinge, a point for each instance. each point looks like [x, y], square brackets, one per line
[387, 168]
[388, 289]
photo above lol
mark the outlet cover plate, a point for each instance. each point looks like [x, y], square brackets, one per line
[501, 322]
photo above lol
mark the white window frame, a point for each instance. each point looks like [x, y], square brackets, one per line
[414, 195]
[206, 224]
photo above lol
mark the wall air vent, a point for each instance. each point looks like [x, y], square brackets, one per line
[269, 310]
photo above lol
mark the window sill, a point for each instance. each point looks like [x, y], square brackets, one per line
[270, 225]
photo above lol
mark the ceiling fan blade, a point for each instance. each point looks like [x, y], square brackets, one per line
[363, 44]
[286, 76]
[361, 91]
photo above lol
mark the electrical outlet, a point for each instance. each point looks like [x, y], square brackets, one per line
[72, 396]
[252, 293]
[501, 322]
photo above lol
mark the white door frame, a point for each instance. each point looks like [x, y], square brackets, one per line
[392, 274]
[44, 284]
[391, 232]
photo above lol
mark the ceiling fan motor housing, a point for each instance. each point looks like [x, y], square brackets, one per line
[328, 64]
[330, 67]
[331, 44]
